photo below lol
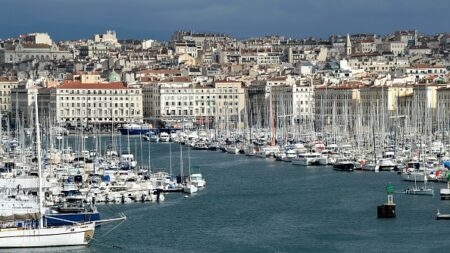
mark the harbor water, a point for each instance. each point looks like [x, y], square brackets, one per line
[261, 205]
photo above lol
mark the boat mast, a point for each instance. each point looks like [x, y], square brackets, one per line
[38, 147]
[170, 158]
[272, 122]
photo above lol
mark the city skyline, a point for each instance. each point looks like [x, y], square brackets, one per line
[141, 19]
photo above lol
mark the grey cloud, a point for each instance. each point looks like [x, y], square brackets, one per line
[157, 19]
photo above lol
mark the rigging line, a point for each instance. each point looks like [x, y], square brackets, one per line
[116, 226]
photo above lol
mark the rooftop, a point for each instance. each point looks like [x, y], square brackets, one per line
[32, 45]
[87, 86]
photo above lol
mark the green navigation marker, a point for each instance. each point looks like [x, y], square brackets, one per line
[390, 189]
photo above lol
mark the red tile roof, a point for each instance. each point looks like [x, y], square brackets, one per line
[32, 45]
[98, 86]
[176, 79]
[282, 78]
[8, 79]
[161, 71]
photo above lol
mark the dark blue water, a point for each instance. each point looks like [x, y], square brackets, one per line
[257, 205]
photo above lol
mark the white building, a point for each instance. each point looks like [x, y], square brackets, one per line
[6, 85]
[182, 102]
[22, 103]
[37, 38]
[29, 51]
[423, 71]
[395, 47]
[96, 102]
[293, 102]
[109, 38]
[186, 47]
[146, 44]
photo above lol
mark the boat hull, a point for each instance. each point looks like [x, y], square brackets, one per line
[190, 189]
[425, 192]
[74, 217]
[344, 167]
[141, 131]
[47, 237]
[445, 194]
[411, 177]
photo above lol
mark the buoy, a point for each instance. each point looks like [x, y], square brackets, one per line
[387, 210]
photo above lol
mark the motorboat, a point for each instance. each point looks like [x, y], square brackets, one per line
[164, 137]
[386, 164]
[134, 129]
[197, 180]
[307, 159]
[290, 155]
[442, 216]
[344, 164]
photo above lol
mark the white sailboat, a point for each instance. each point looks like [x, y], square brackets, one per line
[18, 236]
[190, 187]
[423, 190]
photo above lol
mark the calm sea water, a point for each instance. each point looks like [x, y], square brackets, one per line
[258, 205]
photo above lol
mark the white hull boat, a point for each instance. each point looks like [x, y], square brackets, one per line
[309, 159]
[164, 137]
[197, 180]
[444, 193]
[76, 235]
[413, 176]
[190, 188]
[420, 191]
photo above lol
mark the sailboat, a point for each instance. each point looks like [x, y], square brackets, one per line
[38, 235]
[423, 190]
[189, 187]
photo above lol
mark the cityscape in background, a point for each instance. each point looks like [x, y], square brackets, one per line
[224, 126]
[212, 80]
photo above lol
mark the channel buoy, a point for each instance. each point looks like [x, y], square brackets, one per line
[387, 210]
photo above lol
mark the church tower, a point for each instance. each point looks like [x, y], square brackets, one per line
[348, 46]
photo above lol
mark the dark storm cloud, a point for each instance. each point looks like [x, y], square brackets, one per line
[159, 18]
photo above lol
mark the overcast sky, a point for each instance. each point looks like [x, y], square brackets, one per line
[157, 19]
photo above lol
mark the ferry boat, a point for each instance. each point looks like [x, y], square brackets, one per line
[134, 129]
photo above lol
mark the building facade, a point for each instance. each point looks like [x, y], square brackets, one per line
[101, 103]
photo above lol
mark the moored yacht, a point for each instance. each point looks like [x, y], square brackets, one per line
[290, 155]
[386, 164]
[445, 192]
[198, 180]
[164, 137]
[307, 159]
[344, 164]
[134, 129]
